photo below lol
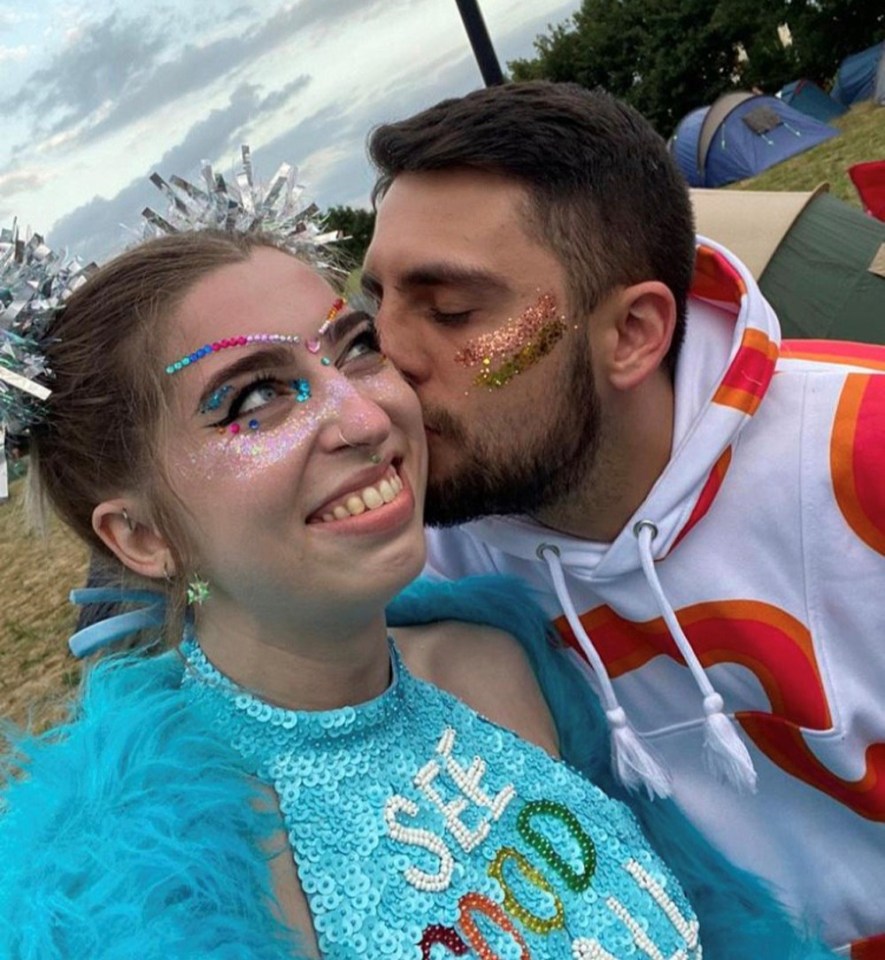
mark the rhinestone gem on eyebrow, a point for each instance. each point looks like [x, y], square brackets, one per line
[313, 344]
[228, 342]
[338, 304]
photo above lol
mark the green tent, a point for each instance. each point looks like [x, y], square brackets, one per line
[819, 261]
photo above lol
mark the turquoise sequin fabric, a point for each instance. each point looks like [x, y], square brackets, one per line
[422, 830]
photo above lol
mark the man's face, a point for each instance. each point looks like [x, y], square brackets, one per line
[474, 311]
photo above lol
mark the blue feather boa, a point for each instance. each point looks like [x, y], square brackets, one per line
[133, 832]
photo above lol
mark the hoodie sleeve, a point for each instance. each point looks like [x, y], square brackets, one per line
[739, 917]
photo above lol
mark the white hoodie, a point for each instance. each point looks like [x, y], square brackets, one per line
[769, 551]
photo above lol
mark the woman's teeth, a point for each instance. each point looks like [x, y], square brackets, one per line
[369, 498]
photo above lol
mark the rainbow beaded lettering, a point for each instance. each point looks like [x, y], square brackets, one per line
[422, 830]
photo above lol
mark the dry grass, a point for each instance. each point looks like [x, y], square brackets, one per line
[36, 619]
[863, 138]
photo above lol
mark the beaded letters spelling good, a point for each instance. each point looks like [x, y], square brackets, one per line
[418, 828]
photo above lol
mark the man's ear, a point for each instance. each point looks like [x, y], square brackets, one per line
[644, 326]
[136, 544]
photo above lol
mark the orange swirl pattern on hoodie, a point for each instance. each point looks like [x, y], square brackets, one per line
[779, 651]
[857, 458]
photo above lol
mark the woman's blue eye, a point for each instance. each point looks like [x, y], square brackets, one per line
[258, 396]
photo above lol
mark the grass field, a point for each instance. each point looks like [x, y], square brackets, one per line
[863, 138]
[36, 576]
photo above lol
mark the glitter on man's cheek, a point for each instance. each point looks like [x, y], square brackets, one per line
[518, 345]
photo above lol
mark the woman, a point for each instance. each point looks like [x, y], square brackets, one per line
[289, 781]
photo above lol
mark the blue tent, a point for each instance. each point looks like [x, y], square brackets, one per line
[684, 145]
[741, 135]
[807, 96]
[856, 77]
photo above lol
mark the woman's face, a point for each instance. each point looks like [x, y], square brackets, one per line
[300, 465]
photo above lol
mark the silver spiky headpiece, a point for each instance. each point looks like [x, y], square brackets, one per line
[34, 283]
[279, 208]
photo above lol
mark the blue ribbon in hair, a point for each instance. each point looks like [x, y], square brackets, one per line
[112, 629]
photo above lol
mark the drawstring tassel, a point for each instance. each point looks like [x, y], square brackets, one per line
[725, 754]
[634, 763]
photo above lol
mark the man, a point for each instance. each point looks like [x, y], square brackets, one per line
[699, 507]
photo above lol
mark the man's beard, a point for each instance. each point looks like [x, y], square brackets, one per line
[512, 473]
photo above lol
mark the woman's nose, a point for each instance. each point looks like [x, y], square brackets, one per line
[361, 422]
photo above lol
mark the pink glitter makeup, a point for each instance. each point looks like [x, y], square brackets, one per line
[248, 453]
[519, 344]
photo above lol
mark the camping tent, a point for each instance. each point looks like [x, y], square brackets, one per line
[861, 76]
[819, 261]
[741, 135]
[807, 96]
[684, 145]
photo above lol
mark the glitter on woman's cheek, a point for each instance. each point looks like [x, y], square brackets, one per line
[518, 344]
[248, 454]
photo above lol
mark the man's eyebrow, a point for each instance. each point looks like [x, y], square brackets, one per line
[277, 355]
[441, 274]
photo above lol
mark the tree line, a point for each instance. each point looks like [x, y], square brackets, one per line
[666, 57]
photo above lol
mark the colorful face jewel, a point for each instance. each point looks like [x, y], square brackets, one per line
[228, 342]
[338, 305]
[313, 344]
[215, 399]
[302, 390]
[519, 344]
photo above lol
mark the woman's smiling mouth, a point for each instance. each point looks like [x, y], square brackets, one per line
[361, 500]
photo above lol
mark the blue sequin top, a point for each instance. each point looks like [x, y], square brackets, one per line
[422, 830]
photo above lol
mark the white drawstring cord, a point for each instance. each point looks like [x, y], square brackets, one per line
[725, 753]
[634, 763]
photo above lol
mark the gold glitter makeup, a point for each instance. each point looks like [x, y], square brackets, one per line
[519, 344]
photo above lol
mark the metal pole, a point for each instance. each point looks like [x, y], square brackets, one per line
[480, 42]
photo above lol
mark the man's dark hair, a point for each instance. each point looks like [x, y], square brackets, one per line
[604, 194]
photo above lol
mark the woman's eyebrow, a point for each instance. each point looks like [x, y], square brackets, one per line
[277, 355]
[343, 325]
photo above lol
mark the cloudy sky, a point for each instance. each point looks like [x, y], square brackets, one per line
[96, 95]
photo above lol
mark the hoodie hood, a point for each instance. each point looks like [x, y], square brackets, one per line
[725, 366]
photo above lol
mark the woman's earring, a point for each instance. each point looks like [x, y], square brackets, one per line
[127, 519]
[198, 591]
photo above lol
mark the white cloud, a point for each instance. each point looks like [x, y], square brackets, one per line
[157, 85]
[17, 54]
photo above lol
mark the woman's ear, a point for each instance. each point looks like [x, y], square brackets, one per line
[136, 544]
[645, 325]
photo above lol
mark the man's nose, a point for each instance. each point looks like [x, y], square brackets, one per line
[402, 343]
